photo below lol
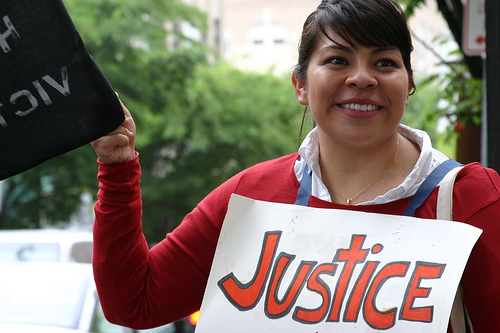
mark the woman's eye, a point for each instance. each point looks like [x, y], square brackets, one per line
[386, 63]
[337, 61]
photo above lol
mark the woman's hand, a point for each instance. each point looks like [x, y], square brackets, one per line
[118, 146]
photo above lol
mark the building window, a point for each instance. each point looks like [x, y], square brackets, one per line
[267, 33]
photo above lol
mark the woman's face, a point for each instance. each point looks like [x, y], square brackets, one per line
[357, 96]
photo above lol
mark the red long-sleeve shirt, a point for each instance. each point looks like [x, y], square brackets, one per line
[144, 288]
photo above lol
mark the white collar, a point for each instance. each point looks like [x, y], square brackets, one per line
[429, 159]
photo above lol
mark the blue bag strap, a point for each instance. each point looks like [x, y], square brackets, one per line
[304, 191]
[428, 185]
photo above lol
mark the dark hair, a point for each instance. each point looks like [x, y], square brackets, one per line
[363, 22]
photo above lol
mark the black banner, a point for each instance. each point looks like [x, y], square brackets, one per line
[53, 97]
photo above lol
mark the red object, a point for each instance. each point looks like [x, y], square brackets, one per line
[480, 40]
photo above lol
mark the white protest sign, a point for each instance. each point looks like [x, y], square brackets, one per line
[289, 268]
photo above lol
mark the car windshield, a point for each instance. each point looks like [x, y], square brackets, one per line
[42, 297]
[39, 252]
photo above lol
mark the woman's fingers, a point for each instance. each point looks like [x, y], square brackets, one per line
[119, 145]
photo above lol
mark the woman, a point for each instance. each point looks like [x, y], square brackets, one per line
[354, 73]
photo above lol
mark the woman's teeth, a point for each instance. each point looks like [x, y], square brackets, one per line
[360, 107]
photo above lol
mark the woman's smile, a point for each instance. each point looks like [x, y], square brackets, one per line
[360, 108]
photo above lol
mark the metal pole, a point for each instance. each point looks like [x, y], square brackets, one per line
[484, 127]
[492, 82]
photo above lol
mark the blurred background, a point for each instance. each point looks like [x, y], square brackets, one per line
[208, 83]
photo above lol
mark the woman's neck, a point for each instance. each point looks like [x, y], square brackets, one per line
[357, 174]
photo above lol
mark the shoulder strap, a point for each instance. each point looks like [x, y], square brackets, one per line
[428, 185]
[304, 191]
[459, 318]
[444, 209]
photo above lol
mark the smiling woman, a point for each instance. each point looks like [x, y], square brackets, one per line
[354, 74]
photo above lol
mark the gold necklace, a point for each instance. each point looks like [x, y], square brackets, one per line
[372, 182]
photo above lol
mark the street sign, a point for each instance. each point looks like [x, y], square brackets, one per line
[474, 36]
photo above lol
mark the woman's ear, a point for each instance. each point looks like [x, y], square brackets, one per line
[300, 90]
[411, 85]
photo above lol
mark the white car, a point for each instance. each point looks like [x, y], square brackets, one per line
[47, 284]
[46, 297]
[53, 297]
[46, 245]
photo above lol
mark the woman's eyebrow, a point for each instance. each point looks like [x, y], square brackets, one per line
[349, 49]
[384, 49]
[337, 47]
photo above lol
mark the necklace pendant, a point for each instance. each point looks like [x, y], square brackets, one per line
[349, 201]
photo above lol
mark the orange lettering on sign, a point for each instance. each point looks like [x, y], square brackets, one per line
[362, 297]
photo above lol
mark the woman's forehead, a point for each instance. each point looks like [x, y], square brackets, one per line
[336, 42]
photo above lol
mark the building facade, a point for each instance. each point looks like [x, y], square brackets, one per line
[263, 35]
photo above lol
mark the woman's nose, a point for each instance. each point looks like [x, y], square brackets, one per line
[362, 77]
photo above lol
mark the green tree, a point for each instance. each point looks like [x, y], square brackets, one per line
[49, 193]
[228, 121]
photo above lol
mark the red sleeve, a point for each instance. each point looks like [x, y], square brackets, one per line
[476, 202]
[141, 288]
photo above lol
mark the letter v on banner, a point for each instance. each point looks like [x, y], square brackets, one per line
[53, 96]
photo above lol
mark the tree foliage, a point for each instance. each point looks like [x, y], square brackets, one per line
[228, 121]
[460, 98]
